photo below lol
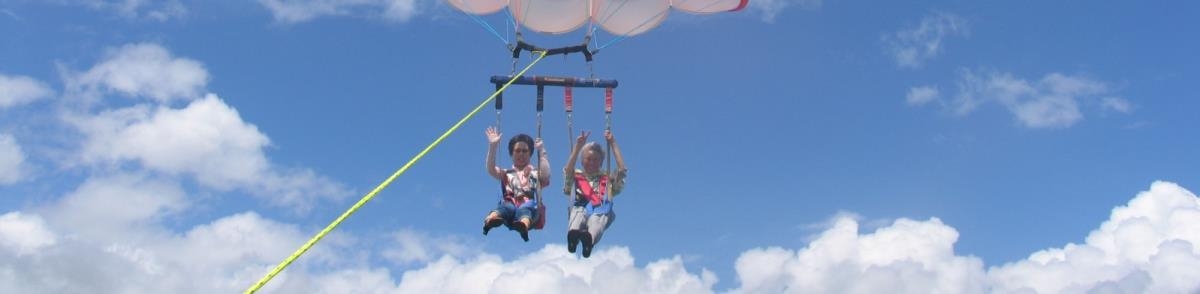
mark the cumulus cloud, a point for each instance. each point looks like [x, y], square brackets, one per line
[912, 47]
[231, 253]
[553, 270]
[24, 234]
[772, 8]
[12, 160]
[206, 140]
[906, 257]
[159, 10]
[19, 90]
[224, 256]
[411, 246]
[296, 11]
[100, 209]
[1054, 101]
[1146, 246]
[142, 71]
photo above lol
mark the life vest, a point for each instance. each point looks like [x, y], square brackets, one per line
[584, 189]
[596, 203]
[511, 196]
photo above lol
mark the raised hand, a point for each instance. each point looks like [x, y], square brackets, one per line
[493, 135]
[537, 144]
[608, 136]
[582, 139]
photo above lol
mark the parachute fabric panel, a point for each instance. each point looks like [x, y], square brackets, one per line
[619, 17]
[549, 16]
[709, 6]
[629, 17]
[478, 7]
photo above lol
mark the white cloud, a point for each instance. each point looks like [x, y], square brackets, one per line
[159, 10]
[912, 47]
[296, 11]
[233, 252]
[1054, 101]
[9, 13]
[206, 140]
[553, 270]
[1146, 246]
[142, 70]
[19, 90]
[12, 160]
[772, 8]
[224, 256]
[399, 10]
[105, 208]
[921, 95]
[415, 246]
[906, 257]
[1117, 104]
[24, 234]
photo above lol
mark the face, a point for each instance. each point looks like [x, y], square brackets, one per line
[591, 161]
[520, 154]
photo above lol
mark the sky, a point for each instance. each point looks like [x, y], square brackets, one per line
[797, 146]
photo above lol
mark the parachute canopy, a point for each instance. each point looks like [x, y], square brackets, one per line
[618, 17]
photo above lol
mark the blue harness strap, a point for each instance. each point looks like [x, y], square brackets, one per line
[596, 203]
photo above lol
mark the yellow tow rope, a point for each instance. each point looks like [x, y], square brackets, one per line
[279, 268]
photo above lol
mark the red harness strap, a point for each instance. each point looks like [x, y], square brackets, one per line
[594, 196]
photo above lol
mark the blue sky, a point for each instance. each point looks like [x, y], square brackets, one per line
[795, 146]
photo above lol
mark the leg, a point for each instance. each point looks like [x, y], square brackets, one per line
[524, 219]
[596, 225]
[576, 225]
[504, 211]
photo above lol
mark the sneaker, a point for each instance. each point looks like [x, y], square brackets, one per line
[586, 239]
[572, 240]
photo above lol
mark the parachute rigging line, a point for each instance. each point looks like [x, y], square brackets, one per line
[279, 268]
[489, 28]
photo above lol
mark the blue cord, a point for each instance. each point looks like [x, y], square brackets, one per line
[487, 26]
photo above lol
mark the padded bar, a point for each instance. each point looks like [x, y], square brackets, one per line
[557, 81]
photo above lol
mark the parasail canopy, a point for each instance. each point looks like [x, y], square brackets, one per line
[617, 17]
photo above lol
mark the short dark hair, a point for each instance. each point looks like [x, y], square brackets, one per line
[512, 143]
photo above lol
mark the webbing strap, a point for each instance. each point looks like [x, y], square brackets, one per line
[608, 105]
